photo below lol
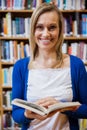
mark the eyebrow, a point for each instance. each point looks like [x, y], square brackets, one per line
[49, 24]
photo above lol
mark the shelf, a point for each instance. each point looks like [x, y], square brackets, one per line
[24, 38]
[6, 87]
[13, 38]
[31, 11]
[75, 38]
[7, 109]
[6, 63]
[73, 11]
[16, 11]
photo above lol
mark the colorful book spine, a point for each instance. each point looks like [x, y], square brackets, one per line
[29, 4]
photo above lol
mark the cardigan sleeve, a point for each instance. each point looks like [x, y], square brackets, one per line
[79, 83]
[18, 88]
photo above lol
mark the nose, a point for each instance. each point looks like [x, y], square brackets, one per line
[46, 32]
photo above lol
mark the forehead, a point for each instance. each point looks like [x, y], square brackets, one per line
[48, 17]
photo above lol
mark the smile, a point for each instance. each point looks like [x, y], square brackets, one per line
[45, 41]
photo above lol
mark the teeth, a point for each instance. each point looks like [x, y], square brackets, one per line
[45, 40]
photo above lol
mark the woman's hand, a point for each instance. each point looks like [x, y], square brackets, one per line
[32, 115]
[69, 109]
[45, 102]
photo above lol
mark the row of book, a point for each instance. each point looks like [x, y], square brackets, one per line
[76, 49]
[20, 4]
[72, 4]
[18, 26]
[32, 4]
[16, 4]
[13, 50]
[74, 25]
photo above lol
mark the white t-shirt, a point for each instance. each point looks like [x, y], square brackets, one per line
[50, 82]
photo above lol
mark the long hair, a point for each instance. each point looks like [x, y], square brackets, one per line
[43, 8]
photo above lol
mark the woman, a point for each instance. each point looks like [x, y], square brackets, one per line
[48, 76]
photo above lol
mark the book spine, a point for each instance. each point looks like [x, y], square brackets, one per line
[9, 4]
[6, 51]
[4, 26]
[11, 51]
[26, 50]
[29, 4]
[9, 25]
[1, 27]
[15, 51]
[22, 49]
[17, 25]
[27, 24]
[0, 5]
[83, 24]
[64, 47]
[34, 4]
[13, 28]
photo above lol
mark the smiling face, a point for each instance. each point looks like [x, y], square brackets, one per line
[47, 31]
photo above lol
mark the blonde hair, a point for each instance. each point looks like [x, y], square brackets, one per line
[43, 8]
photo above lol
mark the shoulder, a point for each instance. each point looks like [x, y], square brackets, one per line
[72, 61]
[75, 61]
[22, 64]
[23, 61]
[77, 66]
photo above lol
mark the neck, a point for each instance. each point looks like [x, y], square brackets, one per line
[46, 60]
[45, 55]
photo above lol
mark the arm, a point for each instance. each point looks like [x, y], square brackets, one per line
[80, 91]
[18, 91]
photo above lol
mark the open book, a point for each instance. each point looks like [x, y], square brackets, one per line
[42, 110]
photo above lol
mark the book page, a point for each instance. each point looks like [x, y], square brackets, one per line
[62, 105]
[30, 106]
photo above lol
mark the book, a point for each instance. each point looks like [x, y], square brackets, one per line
[29, 4]
[42, 110]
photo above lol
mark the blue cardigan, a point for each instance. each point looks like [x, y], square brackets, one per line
[79, 87]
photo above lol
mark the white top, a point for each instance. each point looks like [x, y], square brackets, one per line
[50, 82]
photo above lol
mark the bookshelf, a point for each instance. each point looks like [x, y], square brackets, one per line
[22, 39]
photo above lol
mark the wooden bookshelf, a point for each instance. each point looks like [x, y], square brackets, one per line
[6, 64]
[17, 11]
[74, 38]
[13, 38]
